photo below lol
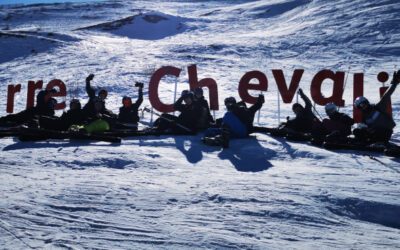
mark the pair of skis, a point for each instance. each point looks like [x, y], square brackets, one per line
[169, 120]
[388, 149]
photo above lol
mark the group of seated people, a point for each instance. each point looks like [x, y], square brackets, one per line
[195, 116]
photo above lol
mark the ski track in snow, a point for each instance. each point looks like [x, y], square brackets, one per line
[173, 192]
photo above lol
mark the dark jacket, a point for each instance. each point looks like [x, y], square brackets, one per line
[89, 108]
[189, 115]
[72, 117]
[376, 116]
[205, 116]
[43, 106]
[339, 122]
[130, 114]
[304, 121]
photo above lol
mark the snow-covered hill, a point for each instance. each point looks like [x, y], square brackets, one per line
[174, 192]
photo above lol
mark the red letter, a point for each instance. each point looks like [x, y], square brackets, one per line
[62, 91]
[153, 88]
[338, 85]
[287, 94]
[12, 89]
[32, 86]
[358, 90]
[210, 83]
[245, 85]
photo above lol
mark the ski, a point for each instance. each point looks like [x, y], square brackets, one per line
[169, 120]
[33, 134]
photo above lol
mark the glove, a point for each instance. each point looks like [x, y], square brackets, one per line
[90, 77]
[261, 98]
[300, 91]
[139, 84]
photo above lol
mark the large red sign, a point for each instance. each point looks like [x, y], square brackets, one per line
[246, 83]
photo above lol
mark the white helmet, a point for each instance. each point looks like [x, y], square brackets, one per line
[360, 100]
[330, 108]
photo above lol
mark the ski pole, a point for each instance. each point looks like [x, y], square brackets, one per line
[345, 81]
[176, 89]
[259, 113]
[167, 119]
[151, 115]
[279, 107]
[316, 111]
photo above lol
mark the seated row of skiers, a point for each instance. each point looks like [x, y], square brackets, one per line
[377, 124]
[94, 116]
[195, 116]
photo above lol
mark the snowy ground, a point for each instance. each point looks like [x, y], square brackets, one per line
[173, 192]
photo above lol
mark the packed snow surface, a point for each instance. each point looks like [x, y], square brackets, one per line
[173, 192]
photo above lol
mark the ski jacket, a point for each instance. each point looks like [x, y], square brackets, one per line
[246, 115]
[130, 114]
[338, 122]
[376, 116]
[189, 115]
[304, 120]
[72, 117]
[205, 116]
[44, 105]
[89, 108]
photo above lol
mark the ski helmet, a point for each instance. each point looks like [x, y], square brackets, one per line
[187, 94]
[75, 104]
[360, 101]
[198, 91]
[230, 101]
[330, 108]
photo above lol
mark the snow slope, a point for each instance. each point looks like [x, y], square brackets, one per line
[173, 192]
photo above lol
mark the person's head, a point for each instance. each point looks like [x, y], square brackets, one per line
[52, 103]
[230, 102]
[361, 103]
[48, 94]
[103, 94]
[126, 101]
[187, 97]
[75, 104]
[330, 109]
[297, 108]
[198, 92]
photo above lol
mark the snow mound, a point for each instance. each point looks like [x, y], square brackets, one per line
[16, 44]
[144, 26]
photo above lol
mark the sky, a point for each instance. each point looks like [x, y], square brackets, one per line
[40, 1]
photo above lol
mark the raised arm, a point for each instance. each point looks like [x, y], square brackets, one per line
[258, 104]
[386, 96]
[89, 89]
[306, 100]
[139, 101]
[178, 105]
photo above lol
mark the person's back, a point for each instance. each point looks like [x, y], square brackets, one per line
[205, 118]
[337, 124]
[305, 118]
